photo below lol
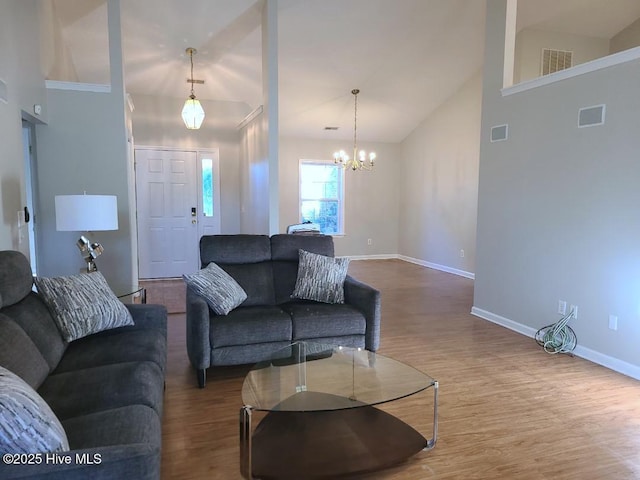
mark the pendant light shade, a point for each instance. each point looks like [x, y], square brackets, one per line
[192, 112]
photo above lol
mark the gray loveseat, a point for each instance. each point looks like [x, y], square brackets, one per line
[269, 319]
[106, 389]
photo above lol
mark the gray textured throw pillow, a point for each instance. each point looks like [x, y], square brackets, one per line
[320, 278]
[27, 424]
[217, 287]
[82, 304]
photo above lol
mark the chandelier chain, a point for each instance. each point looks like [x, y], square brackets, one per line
[355, 125]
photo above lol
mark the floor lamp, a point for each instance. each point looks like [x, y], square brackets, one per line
[87, 213]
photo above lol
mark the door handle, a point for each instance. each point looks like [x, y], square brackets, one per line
[27, 216]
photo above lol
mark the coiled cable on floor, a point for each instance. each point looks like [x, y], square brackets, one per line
[558, 337]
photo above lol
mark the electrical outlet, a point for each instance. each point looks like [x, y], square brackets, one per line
[562, 307]
[369, 241]
[574, 309]
[613, 322]
[461, 253]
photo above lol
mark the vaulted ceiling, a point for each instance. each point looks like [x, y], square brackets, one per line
[406, 56]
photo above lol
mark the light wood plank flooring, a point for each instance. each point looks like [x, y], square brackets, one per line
[507, 409]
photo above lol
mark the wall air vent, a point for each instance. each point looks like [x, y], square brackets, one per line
[555, 60]
[499, 133]
[330, 128]
[591, 116]
[4, 95]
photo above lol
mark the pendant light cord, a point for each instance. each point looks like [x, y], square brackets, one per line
[191, 57]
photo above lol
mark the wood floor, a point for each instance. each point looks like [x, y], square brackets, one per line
[507, 410]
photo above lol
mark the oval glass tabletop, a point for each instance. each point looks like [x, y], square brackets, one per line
[312, 377]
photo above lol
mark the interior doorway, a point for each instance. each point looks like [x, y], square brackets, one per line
[178, 201]
[27, 218]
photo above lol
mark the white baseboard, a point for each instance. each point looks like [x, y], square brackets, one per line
[435, 266]
[612, 363]
[384, 256]
[417, 261]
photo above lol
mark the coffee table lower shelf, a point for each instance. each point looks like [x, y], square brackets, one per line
[325, 444]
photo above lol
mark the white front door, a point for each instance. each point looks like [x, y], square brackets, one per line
[167, 200]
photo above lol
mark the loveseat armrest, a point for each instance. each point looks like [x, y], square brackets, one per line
[198, 343]
[366, 299]
[149, 316]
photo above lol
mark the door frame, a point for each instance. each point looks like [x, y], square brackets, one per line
[201, 153]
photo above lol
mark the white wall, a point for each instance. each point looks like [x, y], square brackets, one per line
[627, 38]
[439, 183]
[531, 41]
[20, 70]
[254, 177]
[157, 123]
[371, 197]
[558, 206]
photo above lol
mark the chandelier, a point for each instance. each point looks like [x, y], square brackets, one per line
[360, 159]
[192, 112]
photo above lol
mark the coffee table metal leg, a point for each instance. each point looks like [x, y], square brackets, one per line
[245, 442]
[432, 442]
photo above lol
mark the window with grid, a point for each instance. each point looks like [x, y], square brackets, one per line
[322, 195]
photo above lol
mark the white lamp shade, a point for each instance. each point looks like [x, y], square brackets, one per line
[192, 113]
[86, 213]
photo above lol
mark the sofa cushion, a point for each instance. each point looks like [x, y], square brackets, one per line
[16, 278]
[234, 249]
[27, 424]
[19, 354]
[34, 317]
[243, 355]
[80, 392]
[286, 247]
[320, 278]
[256, 279]
[119, 345]
[250, 325]
[82, 304]
[311, 320]
[217, 287]
[119, 426]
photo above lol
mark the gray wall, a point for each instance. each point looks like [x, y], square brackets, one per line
[85, 148]
[157, 123]
[371, 198]
[558, 206]
[439, 183]
[20, 70]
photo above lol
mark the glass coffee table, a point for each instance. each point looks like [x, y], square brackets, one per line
[320, 420]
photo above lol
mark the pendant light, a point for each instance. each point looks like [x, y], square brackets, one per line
[192, 112]
[360, 160]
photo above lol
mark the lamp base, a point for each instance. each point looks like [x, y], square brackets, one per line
[91, 266]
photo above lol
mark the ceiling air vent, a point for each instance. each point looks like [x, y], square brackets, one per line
[555, 60]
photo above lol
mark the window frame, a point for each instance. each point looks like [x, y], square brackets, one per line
[341, 189]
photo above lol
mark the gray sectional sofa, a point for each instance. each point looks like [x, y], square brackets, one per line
[270, 319]
[106, 388]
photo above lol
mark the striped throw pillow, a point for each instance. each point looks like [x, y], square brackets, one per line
[320, 278]
[27, 424]
[217, 287]
[82, 304]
